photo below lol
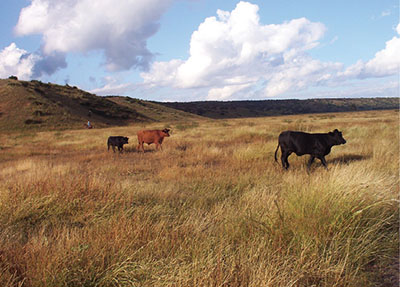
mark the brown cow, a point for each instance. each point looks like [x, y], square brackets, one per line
[151, 136]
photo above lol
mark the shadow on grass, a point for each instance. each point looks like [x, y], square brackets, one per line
[348, 158]
[344, 159]
[135, 150]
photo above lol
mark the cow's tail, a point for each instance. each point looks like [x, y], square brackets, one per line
[276, 151]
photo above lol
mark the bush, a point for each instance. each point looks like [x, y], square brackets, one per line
[32, 121]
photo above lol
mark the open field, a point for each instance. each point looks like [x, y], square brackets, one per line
[211, 209]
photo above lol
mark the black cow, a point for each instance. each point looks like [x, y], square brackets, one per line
[316, 145]
[117, 141]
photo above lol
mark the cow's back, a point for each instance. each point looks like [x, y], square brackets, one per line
[114, 140]
[297, 142]
[117, 140]
[148, 136]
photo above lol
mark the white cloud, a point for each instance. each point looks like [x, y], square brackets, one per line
[25, 65]
[219, 94]
[119, 29]
[385, 63]
[299, 72]
[233, 56]
[113, 87]
[234, 51]
[17, 62]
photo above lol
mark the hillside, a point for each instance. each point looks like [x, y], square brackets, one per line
[242, 109]
[36, 105]
[152, 110]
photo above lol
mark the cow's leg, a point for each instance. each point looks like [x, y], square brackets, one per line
[160, 143]
[113, 148]
[310, 161]
[140, 146]
[120, 149]
[322, 158]
[284, 159]
[287, 162]
[158, 146]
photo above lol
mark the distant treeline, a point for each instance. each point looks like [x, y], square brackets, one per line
[240, 109]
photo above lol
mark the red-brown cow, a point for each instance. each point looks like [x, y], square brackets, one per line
[151, 136]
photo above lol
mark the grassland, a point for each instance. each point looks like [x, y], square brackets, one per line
[211, 209]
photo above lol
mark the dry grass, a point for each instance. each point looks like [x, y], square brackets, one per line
[211, 209]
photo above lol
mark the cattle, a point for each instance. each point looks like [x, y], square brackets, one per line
[151, 136]
[117, 141]
[316, 145]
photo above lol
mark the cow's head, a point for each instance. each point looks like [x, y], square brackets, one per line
[125, 140]
[166, 132]
[337, 137]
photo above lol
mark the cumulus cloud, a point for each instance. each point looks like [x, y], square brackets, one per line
[49, 64]
[233, 56]
[17, 62]
[232, 52]
[120, 30]
[385, 63]
[298, 73]
[25, 65]
[113, 87]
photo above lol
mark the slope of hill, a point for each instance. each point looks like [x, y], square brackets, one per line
[241, 109]
[153, 110]
[39, 106]
[36, 105]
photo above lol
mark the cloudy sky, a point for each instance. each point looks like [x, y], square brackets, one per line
[187, 50]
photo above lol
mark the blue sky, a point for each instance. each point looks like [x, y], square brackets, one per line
[187, 50]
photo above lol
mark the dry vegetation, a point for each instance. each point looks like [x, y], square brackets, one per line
[27, 106]
[211, 209]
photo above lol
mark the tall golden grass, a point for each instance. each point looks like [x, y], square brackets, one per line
[211, 209]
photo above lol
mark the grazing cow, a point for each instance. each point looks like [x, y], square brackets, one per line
[316, 145]
[117, 141]
[151, 136]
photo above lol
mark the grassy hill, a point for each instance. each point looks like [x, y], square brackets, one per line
[39, 106]
[153, 110]
[244, 109]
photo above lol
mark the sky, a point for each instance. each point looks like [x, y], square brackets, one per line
[196, 50]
